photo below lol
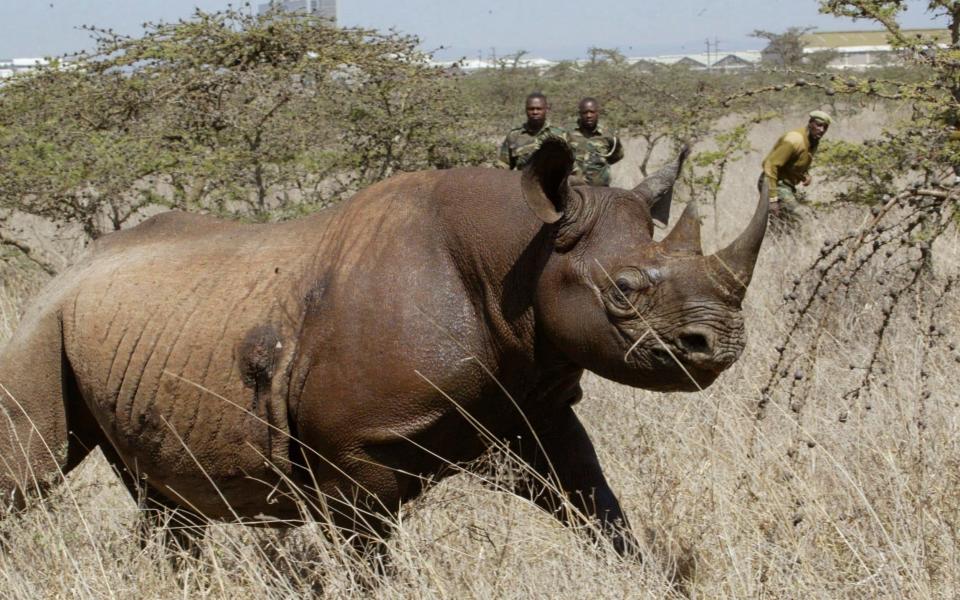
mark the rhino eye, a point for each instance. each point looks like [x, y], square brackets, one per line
[629, 283]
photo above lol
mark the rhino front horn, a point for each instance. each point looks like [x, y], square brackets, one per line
[739, 258]
[657, 189]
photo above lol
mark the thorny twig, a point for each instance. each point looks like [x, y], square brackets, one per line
[888, 261]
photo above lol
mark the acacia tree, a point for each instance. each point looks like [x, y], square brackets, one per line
[248, 116]
[783, 49]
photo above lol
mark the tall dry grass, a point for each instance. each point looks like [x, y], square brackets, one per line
[826, 500]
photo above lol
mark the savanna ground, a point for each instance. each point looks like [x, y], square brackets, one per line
[834, 498]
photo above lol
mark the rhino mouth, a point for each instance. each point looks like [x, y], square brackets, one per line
[716, 363]
[667, 366]
[681, 372]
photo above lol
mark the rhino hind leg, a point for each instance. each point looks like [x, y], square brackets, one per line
[38, 444]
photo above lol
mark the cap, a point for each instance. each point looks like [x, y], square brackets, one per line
[821, 116]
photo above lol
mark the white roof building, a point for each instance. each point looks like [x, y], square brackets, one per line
[860, 50]
[705, 61]
[11, 66]
[700, 61]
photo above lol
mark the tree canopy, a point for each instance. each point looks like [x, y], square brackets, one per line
[251, 116]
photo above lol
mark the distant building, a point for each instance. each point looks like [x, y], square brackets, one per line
[690, 62]
[477, 64]
[11, 66]
[701, 61]
[321, 8]
[736, 60]
[718, 61]
[864, 49]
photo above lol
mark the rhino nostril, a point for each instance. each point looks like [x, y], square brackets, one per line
[694, 343]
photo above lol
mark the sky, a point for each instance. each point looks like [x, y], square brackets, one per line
[553, 29]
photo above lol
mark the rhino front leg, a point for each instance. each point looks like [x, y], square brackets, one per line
[567, 480]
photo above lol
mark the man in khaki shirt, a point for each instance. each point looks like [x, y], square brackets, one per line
[788, 164]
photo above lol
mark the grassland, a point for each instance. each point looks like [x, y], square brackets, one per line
[832, 499]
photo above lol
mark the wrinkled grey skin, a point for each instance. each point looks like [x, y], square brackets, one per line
[348, 358]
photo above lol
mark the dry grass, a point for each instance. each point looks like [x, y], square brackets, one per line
[799, 504]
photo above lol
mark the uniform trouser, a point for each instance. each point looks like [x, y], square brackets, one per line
[789, 207]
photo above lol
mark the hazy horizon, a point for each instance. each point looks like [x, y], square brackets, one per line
[561, 29]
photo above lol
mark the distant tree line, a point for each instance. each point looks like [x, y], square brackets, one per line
[258, 117]
[265, 117]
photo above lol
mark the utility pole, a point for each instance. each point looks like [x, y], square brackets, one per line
[716, 52]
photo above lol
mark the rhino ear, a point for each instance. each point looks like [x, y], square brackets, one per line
[544, 181]
[657, 189]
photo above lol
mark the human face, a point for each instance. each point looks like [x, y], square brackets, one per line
[589, 115]
[817, 128]
[536, 112]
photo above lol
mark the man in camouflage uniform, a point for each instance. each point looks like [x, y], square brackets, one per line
[523, 141]
[594, 148]
[788, 165]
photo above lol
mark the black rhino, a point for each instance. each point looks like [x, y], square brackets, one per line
[356, 353]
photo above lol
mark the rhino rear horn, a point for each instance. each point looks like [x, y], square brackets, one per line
[739, 258]
[657, 189]
[684, 238]
[544, 181]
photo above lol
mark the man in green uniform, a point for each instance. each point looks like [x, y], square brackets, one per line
[523, 141]
[595, 149]
[788, 165]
